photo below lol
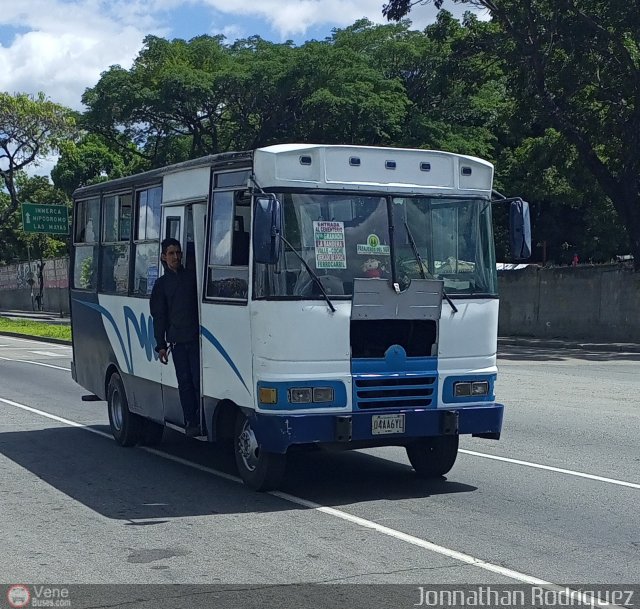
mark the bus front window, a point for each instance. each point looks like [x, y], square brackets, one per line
[340, 236]
[453, 240]
[345, 236]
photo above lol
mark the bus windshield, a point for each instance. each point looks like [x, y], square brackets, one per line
[347, 236]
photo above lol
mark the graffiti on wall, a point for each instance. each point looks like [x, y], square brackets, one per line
[23, 275]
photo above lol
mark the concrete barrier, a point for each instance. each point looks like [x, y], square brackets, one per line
[19, 285]
[54, 300]
[600, 303]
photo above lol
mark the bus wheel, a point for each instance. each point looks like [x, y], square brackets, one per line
[434, 456]
[259, 469]
[126, 427]
[152, 433]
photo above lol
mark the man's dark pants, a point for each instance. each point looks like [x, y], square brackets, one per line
[186, 359]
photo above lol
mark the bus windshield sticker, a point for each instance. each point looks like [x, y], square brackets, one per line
[329, 243]
[373, 247]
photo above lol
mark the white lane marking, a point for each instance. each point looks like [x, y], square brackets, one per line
[550, 468]
[26, 361]
[49, 354]
[49, 346]
[368, 524]
[20, 339]
[54, 417]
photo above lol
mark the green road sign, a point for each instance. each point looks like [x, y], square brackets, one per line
[52, 219]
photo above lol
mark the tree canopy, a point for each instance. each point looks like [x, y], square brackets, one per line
[548, 95]
[574, 66]
[31, 128]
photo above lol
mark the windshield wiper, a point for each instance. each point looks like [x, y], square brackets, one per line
[311, 272]
[416, 253]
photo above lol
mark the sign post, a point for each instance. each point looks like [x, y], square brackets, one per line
[51, 219]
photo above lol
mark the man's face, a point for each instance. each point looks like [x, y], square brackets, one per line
[173, 257]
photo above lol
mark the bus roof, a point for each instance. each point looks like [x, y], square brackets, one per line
[285, 152]
[222, 159]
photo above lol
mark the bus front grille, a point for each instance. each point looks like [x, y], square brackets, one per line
[397, 392]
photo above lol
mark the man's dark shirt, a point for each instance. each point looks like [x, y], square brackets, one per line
[174, 308]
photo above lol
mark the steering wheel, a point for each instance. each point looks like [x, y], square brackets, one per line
[309, 287]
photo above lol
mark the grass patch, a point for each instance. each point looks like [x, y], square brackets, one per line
[35, 328]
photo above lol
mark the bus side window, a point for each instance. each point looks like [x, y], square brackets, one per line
[228, 270]
[146, 248]
[86, 244]
[115, 244]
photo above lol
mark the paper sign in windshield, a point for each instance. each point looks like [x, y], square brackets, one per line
[373, 247]
[329, 242]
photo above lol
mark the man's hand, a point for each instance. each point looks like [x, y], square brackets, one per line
[163, 356]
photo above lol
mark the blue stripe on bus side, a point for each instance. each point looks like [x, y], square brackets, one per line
[144, 332]
[105, 313]
[214, 341]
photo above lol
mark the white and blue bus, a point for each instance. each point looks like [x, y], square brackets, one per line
[347, 297]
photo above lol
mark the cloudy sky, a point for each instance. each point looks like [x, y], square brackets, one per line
[60, 47]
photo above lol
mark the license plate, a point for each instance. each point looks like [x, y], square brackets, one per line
[387, 423]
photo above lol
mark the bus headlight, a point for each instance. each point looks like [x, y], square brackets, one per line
[300, 395]
[323, 394]
[467, 389]
[461, 390]
[480, 388]
[306, 395]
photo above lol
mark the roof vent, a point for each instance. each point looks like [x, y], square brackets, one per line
[354, 161]
[305, 160]
[466, 171]
[390, 164]
[425, 166]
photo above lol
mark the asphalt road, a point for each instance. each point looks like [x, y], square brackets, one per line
[556, 500]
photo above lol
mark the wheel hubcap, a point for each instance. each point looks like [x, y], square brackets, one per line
[116, 410]
[248, 448]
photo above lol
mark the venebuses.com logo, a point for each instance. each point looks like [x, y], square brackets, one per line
[18, 596]
[38, 595]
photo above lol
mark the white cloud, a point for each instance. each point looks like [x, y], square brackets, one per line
[295, 17]
[62, 47]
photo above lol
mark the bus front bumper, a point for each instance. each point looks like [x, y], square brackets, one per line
[277, 432]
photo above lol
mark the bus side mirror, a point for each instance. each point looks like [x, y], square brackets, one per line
[519, 229]
[266, 230]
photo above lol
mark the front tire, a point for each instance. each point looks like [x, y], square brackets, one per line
[434, 456]
[259, 469]
[126, 427]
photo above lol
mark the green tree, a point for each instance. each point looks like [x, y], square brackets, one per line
[169, 104]
[31, 128]
[577, 67]
[569, 212]
[15, 244]
[92, 159]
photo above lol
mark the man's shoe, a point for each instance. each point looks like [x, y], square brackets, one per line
[192, 431]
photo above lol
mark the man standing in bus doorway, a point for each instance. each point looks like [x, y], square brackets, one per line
[174, 308]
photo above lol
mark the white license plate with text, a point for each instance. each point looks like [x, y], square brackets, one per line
[387, 423]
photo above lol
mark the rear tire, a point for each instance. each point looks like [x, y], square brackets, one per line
[259, 469]
[126, 427]
[434, 456]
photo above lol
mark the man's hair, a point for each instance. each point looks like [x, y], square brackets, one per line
[167, 243]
